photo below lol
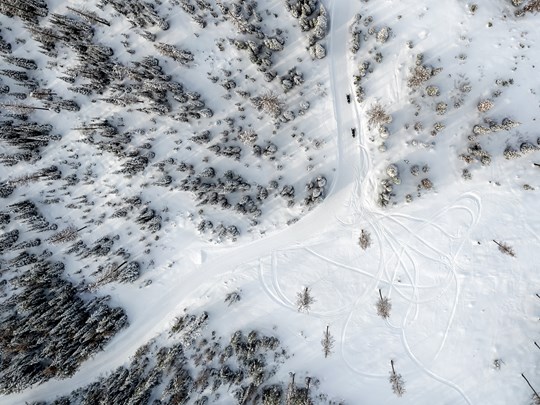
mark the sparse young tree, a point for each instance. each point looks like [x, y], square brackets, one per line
[232, 297]
[384, 306]
[365, 239]
[505, 248]
[327, 342]
[304, 300]
[397, 382]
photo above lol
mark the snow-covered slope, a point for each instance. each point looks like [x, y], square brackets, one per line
[464, 311]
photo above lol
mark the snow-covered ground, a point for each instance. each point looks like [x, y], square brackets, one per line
[459, 305]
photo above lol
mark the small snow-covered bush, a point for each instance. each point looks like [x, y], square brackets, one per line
[392, 171]
[317, 51]
[383, 34]
[248, 136]
[485, 105]
[527, 147]
[511, 153]
[432, 91]
[441, 108]
[304, 300]
[426, 184]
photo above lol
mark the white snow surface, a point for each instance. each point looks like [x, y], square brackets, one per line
[457, 302]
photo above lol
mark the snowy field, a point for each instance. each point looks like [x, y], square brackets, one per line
[432, 205]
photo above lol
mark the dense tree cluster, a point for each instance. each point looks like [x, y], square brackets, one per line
[313, 20]
[221, 191]
[27, 10]
[365, 33]
[197, 368]
[51, 319]
[47, 328]
[5, 47]
[315, 191]
[258, 44]
[198, 11]
[27, 213]
[48, 173]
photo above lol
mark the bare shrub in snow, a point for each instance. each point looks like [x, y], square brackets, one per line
[505, 248]
[304, 300]
[384, 306]
[365, 239]
[397, 382]
[377, 115]
[419, 75]
[270, 103]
